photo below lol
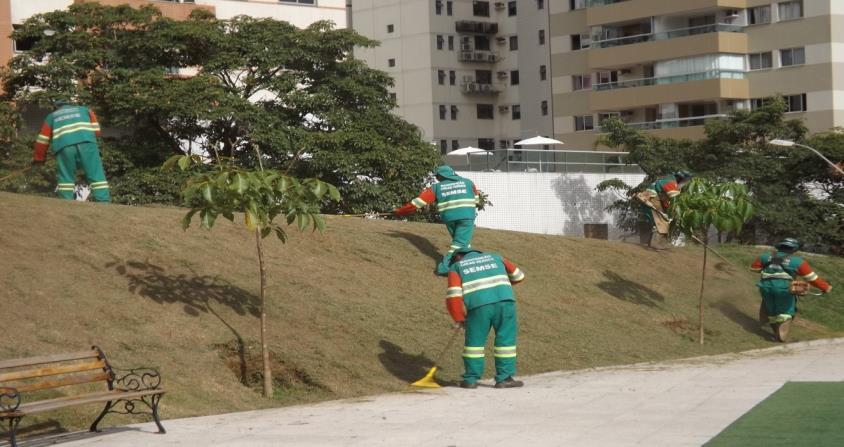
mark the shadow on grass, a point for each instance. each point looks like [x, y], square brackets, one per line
[198, 294]
[630, 291]
[736, 315]
[404, 366]
[61, 436]
[422, 244]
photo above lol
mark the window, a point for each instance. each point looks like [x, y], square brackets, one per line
[511, 9]
[606, 77]
[438, 7]
[759, 15]
[482, 43]
[450, 43]
[583, 123]
[790, 10]
[542, 37]
[580, 41]
[443, 111]
[759, 102]
[514, 43]
[542, 73]
[441, 77]
[581, 82]
[543, 107]
[605, 116]
[759, 61]
[517, 112]
[390, 28]
[440, 41]
[455, 144]
[449, 7]
[486, 144]
[796, 103]
[485, 112]
[393, 96]
[453, 112]
[480, 9]
[391, 62]
[514, 77]
[23, 44]
[577, 4]
[483, 76]
[452, 77]
[503, 144]
[792, 56]
[443, 146]
[540, 4]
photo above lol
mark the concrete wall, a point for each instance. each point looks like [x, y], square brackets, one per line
[545, 203]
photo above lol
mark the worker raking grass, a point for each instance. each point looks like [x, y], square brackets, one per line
[456, 199]
[479, 297]
[656, 200]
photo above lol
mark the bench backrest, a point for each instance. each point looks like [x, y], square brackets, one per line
[55, 371]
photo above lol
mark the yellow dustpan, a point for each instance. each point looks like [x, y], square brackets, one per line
[428, 381]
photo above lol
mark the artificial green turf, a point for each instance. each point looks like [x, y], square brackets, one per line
[798, 414]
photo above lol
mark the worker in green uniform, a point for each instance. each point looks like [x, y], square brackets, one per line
[456, 198]
[71, 133]
[479, 297]
[778, 269]
[655, 202]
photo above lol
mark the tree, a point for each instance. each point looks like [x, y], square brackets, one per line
[206, 86]
[703, 204]
[261, 195]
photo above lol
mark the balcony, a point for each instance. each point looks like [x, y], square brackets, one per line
[470, 26]
[649, 95]
[674, 123]
[608, 11]
[479, 88]
[594, 3]
[478, 56]
[676, 79]
[646, 48]
[665, 35]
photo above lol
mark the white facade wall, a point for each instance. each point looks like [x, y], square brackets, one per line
[547, 203]
[298, 15]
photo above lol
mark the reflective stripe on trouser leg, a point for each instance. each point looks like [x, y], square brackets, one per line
[478, 324]
[66, 164]
[89, 154]
[506, 327]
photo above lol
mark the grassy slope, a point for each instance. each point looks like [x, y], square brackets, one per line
[354, 311]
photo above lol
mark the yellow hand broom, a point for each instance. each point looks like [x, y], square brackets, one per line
[428, 381]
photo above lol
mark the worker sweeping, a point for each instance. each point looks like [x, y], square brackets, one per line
[784, 276]
[71, 133]
[656, 201]
[456, 198]
[479, 296]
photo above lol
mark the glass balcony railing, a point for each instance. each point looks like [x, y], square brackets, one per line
[593, 3]
[673, 123]
[538, 160]
[676, 79]
[665, 35]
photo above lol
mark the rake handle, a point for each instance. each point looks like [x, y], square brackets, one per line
[448, 345]
[16, 173]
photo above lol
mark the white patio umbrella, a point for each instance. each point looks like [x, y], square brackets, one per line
[467, 150]
[537, 140]
[461, 156]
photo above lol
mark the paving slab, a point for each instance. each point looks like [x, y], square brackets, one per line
[676, 403]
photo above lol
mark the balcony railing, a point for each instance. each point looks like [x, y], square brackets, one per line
[537, 160]
[471, 26]
[480, 88]
[675, 79]
[673, 123]
[593, 3]
[665, 35]
[477, 56]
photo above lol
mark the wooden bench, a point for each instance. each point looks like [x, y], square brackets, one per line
[21, 379]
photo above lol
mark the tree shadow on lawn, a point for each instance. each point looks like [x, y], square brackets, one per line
[402, 365]
[422, 244]
[197, 293]
[747, 322]
[632, 292]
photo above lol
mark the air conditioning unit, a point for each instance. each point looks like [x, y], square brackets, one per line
[502, 74]
[500, 5]
[501, 39]
[503, 109]
[466, 46]
[492, 57]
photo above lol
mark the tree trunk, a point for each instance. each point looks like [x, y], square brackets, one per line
[702, 281]
[265, 352]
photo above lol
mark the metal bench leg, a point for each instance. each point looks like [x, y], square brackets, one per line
[101, 416]
[13, 428]
[155, 399]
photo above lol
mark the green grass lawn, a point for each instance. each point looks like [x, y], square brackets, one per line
[798, 414]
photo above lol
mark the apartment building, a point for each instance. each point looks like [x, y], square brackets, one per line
[668, 66]
[298, 12]
[468, 73]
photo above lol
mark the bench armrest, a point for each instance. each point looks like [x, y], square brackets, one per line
[10, 399]
[136, 379]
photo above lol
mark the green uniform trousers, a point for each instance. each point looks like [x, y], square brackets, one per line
[501, 316]
[461, 236]
[778, 300]
[87, 157]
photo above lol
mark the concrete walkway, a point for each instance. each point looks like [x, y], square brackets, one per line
[670, 404]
